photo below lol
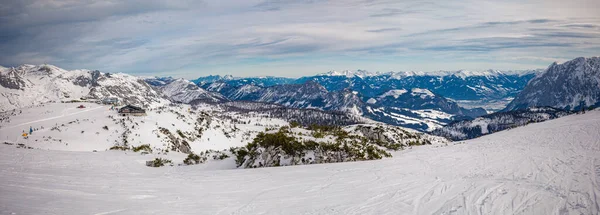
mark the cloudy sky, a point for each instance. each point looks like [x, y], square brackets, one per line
[185, 38]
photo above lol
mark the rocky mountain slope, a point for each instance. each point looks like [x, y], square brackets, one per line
[184, 91]
[30, 85]
[571, 85]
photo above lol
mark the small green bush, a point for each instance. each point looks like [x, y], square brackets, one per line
[158, 162]
[192, 159]
[122, 148]
[318, 134]
[145, 148]
[220, 156]
[294, 124]
[181, 134]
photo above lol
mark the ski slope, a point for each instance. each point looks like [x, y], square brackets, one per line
[64, 127]
[551, 167]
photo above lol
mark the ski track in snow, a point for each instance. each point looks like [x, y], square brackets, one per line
[55, 117]
[551, 167]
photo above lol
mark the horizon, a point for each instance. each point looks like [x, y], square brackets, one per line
[286, 38]
[432, 73]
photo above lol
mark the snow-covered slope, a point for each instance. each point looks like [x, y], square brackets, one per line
[551, 167]
[30, 85]
[185, 91]
[569, 85]
[63, 126]
[179, 128]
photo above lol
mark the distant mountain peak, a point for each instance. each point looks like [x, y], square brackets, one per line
[350, 73]
[569, 85]
[441, 73]
[313, 85]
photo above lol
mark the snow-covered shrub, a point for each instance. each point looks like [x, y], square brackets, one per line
[283, 148]
[158, 162]
[193, 159]
[144, 148]
[122, 148]
[219, 155]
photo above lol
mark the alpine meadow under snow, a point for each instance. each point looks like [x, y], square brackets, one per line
[551, 167]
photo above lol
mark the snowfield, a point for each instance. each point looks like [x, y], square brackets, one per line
[551, 167]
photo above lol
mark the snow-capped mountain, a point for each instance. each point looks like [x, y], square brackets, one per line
[569, 86]
[211, 79]
[420, 99]
[351, 73]
[307, 95]
[490, 85]
[416, 108]
[29, 85]
[265, 81]
[184, 91]
[441, 73]
[455, 85]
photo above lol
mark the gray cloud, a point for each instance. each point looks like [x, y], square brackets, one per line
[145, 36]
[275, 5]
[495, 44]
[582, 26]
[28, 13]
[562, 34]
[380, 30]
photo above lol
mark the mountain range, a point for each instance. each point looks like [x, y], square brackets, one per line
[455, 85]
[422, 101]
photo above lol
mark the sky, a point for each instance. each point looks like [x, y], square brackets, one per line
[188, 39]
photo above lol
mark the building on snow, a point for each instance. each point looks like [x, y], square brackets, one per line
[132, 110]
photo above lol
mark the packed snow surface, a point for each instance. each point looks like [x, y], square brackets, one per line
[551, 167]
